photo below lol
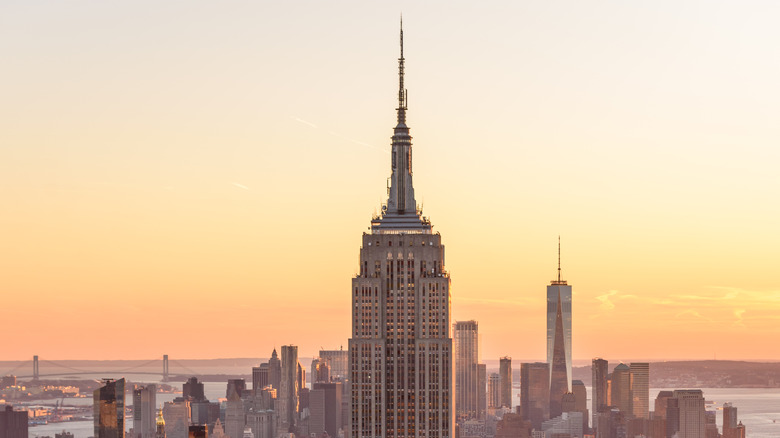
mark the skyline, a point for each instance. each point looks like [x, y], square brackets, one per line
[139, 169]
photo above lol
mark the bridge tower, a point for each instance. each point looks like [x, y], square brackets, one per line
[35, 367]
[165, 368]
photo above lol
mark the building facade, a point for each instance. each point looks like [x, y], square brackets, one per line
[13, 424]
[145, 411]
[600, 371]
[535, 392]
[109, 409]
[640, 389]
[400, 348]
[505, 372]
[690, 409]
[469, 386]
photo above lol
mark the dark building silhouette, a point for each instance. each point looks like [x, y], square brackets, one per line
[13, 424]
[109, 409]
[193, 390]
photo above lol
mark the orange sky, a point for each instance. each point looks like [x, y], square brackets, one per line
[194, 178]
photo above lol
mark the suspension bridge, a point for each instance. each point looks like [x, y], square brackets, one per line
[58, 369]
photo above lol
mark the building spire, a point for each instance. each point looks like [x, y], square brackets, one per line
[559, 281]
[401, 90]
[559, 258]
[401, 214]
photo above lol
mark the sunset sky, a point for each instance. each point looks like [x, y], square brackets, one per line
[193, 177]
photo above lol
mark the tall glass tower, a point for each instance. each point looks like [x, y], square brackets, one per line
[559, 339]
[401, 350]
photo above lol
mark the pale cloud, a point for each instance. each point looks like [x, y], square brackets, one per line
[240, 185]
[740, 321]
[694, 313]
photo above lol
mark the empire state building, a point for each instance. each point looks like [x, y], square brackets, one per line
[401, 349]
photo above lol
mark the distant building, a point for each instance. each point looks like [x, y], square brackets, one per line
[193, 390]
[621, 389]
[534, 393]
[581, 402]
[320, 371]
[661, 403]
[109, 409]
[468, 392]
[325, 401]
[494, 391]
[145, 411]
[260, 377]
[274, 372]
[691, 413]
[198, 431]
[7, 381]
[640, 389]
[160, 423]
[710, 425]
[235, 419]
[513, 426]
[13, 424]
[599, 394]
[287, 402]
[338, 363]
[731, 427]
[505, 371]
[177, 418]
[559, 316]
[568, 423]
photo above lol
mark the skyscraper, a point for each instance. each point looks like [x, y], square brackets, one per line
[465, 339]
[494, 391]
[177, 418]
[559, 338]
[144, 411]
[338, 363]
[275, 371]
[288, 391]
[109, 409]
[400, 349]
[600, 370]
[234, 409]
[640, 389]
[690, 408]
[581, 401]
[535, 392]
[505, 371]
[13, 424]
[621, 389]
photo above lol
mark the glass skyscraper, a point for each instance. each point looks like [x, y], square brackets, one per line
[109, 409]
[559, 339]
